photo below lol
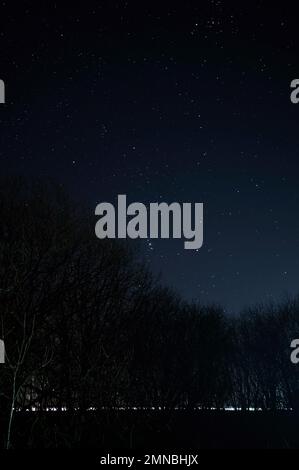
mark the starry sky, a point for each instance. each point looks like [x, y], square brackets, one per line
[166, 101]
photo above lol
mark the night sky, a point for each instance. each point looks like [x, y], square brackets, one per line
[184, 101]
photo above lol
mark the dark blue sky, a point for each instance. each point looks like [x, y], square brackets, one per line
[187, 103]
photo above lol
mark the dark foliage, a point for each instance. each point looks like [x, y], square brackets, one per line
[87, 328]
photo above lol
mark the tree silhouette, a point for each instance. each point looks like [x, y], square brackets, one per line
[87, 327]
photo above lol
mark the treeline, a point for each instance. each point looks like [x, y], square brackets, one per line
[86, 326]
